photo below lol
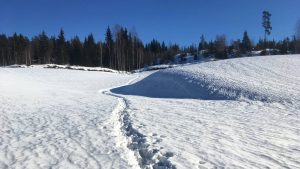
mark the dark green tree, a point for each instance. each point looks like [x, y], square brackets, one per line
[266, 24]
[90, 51]
[61, 49]
[76, 55]
[44, 47]
[3, 50]
[109, 45]
[297, 38]
[246, 46]
[220, 47]
[202, 44]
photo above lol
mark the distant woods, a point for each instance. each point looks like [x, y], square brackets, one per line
[123, 50]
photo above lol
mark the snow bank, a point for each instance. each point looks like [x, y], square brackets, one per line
[156, 67]
[269, 79]
[238, 113]
[100, 69]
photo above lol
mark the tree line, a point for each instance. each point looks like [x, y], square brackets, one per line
[123, 50]
[245, 47]
[221, 49]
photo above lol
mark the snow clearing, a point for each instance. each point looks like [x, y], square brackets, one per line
[235, 113]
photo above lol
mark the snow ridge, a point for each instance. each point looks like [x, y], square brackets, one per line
[134, 144]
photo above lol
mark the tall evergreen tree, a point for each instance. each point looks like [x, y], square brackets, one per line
[202, 44]
[61, 49]
[44, 55]
[3, 50]
[90, 51]
[109, 44]
[246, 43]
[266, 24]
[76, 55]
[297, 38]
[220, 47]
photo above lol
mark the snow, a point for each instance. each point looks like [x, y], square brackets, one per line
[236, 113]
[156, 67]
[100, 69]
[57, 119]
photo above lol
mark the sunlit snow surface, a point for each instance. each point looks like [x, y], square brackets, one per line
[237, 113]
[57, 119]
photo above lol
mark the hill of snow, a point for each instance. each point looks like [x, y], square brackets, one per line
[237, 113]
[271, 79]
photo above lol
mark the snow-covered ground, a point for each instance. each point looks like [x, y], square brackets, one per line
[237, 113]
[58, 119]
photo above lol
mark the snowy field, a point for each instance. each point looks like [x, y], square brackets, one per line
[57, 119]
[237, 113]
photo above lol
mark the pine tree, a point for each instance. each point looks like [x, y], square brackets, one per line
[297, 38]
[202, 44]
[246, 43]
[61, 49]
[90, 51]
[220, 47]
[43, 48]
[3, 50]
[235, 48]
[109, 44]
[76, 55]
[266, 24]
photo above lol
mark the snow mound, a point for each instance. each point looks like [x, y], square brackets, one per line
[83, 68]
[268, 79]
[156, 67]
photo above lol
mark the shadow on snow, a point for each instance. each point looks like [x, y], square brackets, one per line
[167, 85]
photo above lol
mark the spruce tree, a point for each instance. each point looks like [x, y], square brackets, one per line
[202, 44]
[220, 47]
[76, 56]
[90, 51]
[61, 50]
[3, 50]
[266, 24]
[43, 48]
[108, 57]
[246, 43]
[297, 38]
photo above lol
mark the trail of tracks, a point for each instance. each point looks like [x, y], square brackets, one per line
[57, 119]
[133, 143]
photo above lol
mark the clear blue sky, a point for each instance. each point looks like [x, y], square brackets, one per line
[181, 21]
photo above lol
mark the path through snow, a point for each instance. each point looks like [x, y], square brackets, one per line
[133, 143]
[236, 113]
[57, 119]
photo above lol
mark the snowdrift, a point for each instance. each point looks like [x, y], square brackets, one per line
[166, 84]
[268, 79]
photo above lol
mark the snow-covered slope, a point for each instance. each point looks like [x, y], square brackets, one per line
[58, 119]
[273, 78]
[237, 113]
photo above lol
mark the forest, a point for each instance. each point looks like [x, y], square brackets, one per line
[124, 50]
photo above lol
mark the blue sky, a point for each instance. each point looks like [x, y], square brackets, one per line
[180, 21]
